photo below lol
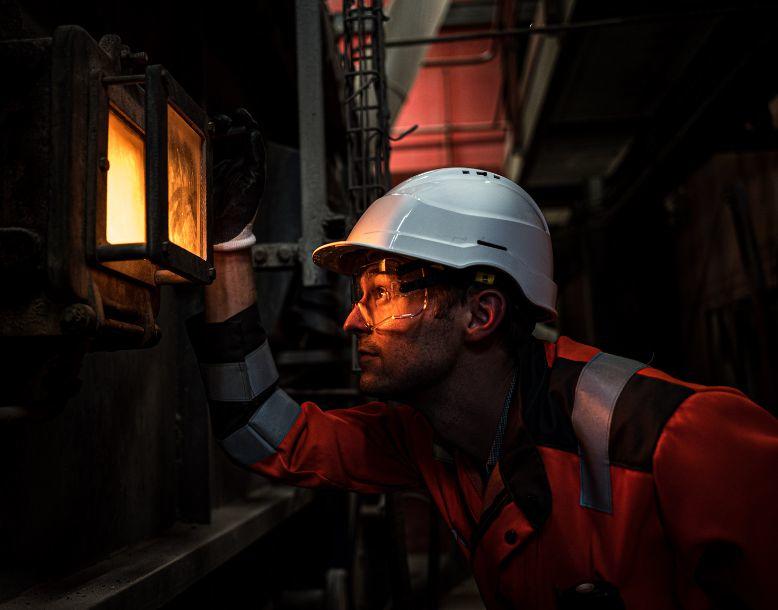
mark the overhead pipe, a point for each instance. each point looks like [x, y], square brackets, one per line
[560, 28]
[484, 57]
[409, 19]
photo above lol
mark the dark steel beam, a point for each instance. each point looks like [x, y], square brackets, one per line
[313, 151]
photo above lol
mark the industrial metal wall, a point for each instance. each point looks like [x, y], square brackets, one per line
[103, 474]
[726, 218]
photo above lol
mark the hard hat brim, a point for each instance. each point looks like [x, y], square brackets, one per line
[344, 256]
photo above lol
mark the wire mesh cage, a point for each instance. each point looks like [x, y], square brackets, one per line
[367, 112]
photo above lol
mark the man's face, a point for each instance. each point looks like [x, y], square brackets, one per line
[401, 357]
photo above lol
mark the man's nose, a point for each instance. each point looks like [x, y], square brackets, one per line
[355, 323]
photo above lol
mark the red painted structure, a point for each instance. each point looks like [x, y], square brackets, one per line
[458, 109]
[456, 105]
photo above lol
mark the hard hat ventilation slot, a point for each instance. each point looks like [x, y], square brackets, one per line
[465, 171]
[481, 173]
[490, 245]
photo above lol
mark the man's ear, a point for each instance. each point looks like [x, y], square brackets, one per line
[486, 312]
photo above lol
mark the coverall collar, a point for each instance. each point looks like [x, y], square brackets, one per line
[520, 476]
[521, 466]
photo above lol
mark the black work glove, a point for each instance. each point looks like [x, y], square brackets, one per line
[239, 179]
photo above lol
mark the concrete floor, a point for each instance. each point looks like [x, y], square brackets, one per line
[463, 597]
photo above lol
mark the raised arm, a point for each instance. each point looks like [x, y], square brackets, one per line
[233, 290]
[368, 448]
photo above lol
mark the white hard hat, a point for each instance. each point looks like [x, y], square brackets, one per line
[459, 217]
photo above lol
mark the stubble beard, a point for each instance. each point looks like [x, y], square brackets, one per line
[410, 375]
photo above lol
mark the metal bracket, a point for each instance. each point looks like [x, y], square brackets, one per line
[275, 255]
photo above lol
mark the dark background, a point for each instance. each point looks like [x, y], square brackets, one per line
[656, 144]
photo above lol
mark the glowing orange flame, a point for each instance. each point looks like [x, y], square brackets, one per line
[126, 187]
[186, 185]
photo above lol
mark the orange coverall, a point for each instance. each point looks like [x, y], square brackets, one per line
[693, 473]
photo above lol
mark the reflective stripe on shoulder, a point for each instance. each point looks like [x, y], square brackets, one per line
[241, 381]
[263, 433]
[599, 385]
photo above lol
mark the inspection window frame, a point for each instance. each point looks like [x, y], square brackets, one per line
[142, 101]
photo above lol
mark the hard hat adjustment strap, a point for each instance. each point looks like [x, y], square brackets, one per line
[454, 276]
[434, 279]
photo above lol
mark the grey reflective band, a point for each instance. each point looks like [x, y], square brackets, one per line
[241, 381]
[263, 433]
[598, 388]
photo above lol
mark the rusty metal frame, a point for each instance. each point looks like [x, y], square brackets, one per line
[145, 109]
[124, 95]
[162, 90]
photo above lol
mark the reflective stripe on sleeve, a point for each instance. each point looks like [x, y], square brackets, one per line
[241, 381]
[246, 446]
[263, 433]
[599, 386]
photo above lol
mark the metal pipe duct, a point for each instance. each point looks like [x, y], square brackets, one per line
[409, 19]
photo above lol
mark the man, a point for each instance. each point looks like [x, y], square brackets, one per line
[566, 476]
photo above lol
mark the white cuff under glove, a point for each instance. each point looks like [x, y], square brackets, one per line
[239, 180]
[244, 239]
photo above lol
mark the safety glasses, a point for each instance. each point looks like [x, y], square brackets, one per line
[387, 290]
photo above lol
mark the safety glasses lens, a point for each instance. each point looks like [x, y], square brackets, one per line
[379, 295]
